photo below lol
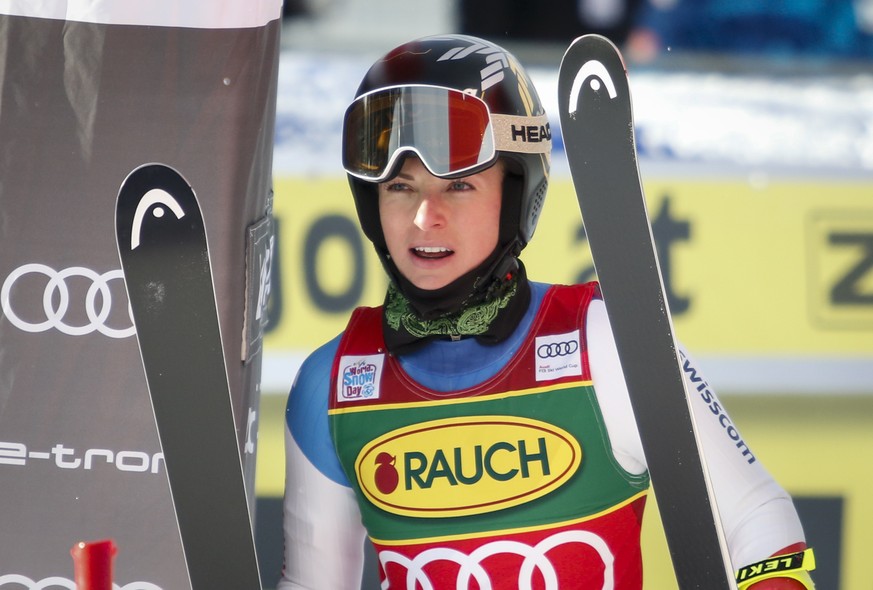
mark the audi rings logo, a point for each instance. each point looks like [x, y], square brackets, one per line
[56, 296]
[555, 349]
[534, 560]
[558, 355]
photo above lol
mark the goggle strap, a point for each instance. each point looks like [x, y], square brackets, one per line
[522, 134]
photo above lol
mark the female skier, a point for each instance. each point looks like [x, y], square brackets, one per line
[477, 426]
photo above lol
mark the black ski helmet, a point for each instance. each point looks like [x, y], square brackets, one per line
[477, 68]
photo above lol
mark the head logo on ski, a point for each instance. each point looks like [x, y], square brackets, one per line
[598, 74]
[152, 198]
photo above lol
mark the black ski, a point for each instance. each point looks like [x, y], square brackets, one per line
[162, 244]
[597, 127]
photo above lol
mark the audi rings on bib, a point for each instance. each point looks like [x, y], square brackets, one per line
[535, 559]
[556, 349]
[55, 315]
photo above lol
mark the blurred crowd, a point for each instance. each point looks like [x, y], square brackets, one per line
[841, 29]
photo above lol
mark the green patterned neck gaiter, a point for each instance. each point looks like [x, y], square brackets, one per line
[490, 321]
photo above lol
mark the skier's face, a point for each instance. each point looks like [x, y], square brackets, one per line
[438, 229]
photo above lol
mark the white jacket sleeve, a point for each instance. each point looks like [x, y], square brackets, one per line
[324, 537]
[759, 517]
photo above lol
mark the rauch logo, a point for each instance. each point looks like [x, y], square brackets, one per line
[470, 465]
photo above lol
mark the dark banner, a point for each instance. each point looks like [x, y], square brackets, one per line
[89, 93]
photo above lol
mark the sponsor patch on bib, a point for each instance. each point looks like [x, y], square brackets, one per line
[559, 355]
[359, 378]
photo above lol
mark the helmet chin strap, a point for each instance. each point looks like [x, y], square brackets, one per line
[490, 279]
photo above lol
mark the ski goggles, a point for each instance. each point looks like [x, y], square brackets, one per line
[452, 132]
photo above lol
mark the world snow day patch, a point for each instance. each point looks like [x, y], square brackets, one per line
[359, 378]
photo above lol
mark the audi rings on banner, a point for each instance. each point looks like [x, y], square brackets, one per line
[16, 581]
[56, 308]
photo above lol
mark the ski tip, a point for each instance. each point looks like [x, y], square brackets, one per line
[591, 40]
[155, 189]
[595, 45]
[591, 63]
[155, 171]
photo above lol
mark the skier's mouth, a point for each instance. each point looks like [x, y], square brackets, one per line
[431, 252]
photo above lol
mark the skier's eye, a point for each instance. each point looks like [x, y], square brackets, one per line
[395, 186]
